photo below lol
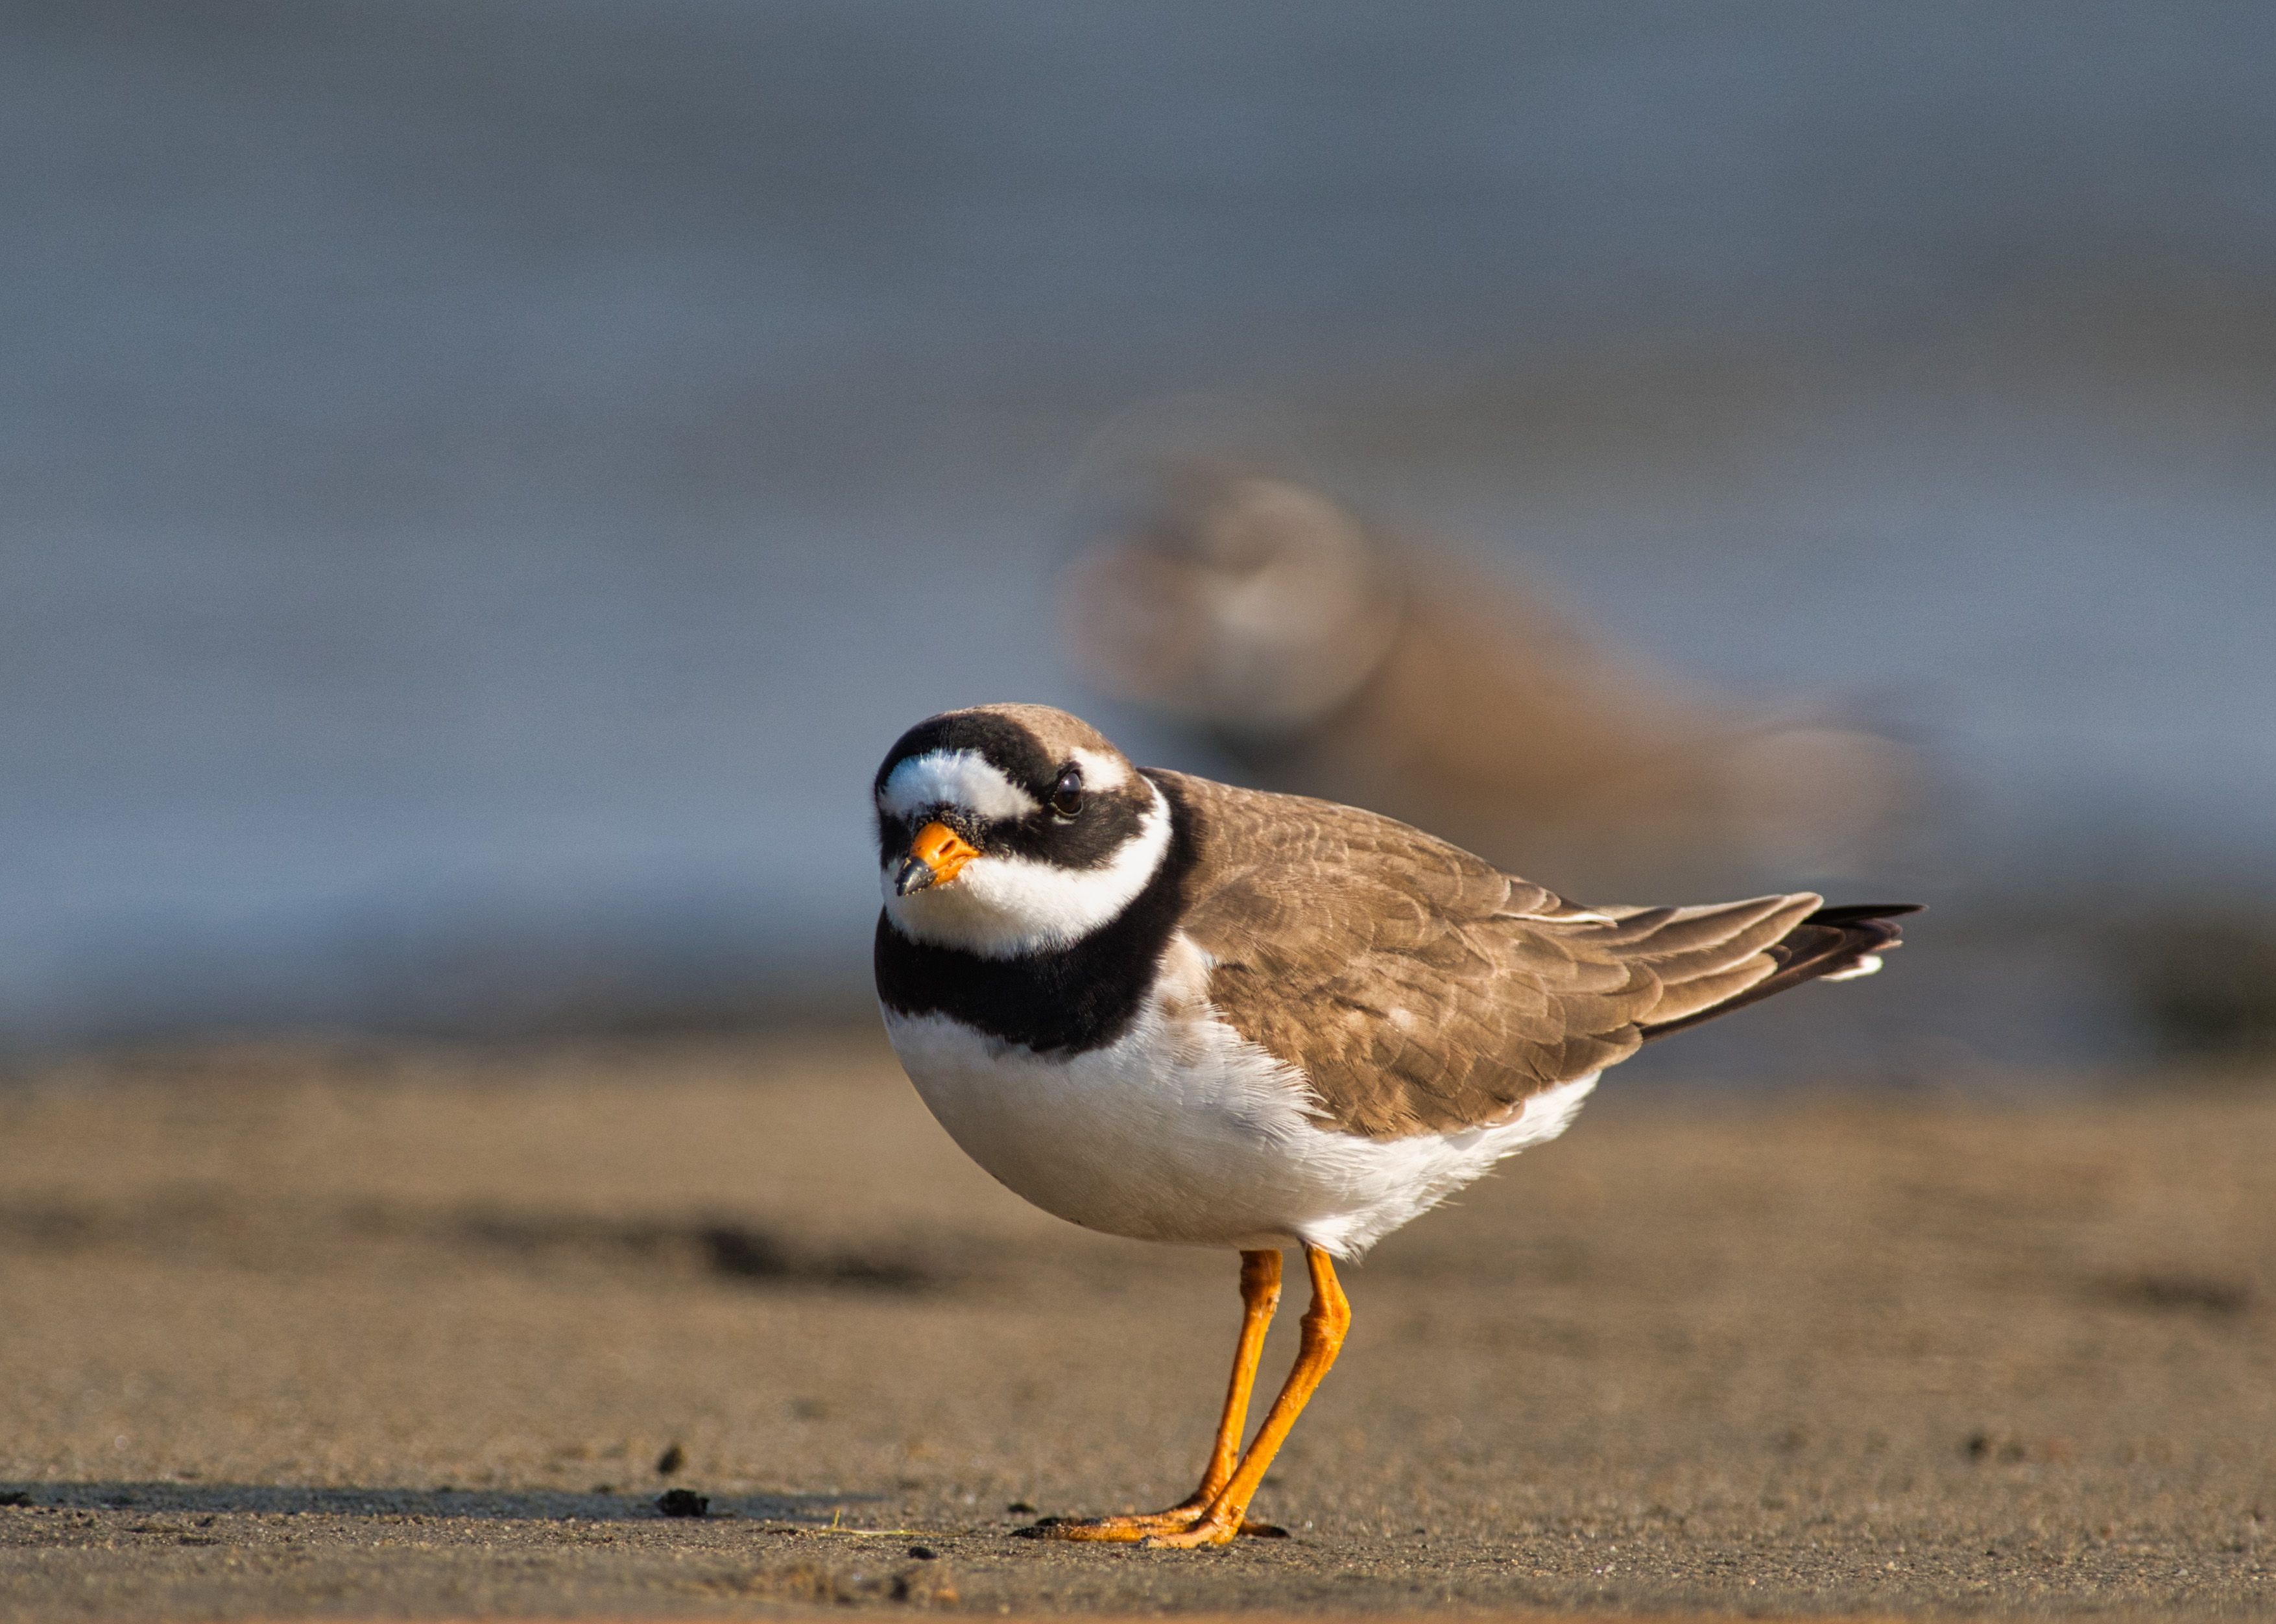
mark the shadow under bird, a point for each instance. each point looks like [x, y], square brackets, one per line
[1179, 1011]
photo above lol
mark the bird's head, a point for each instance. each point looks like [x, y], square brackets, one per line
[1008, 830]
[1252, 604]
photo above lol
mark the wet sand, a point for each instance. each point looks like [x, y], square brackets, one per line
[404, 1331]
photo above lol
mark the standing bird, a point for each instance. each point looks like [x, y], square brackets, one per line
[1331, 656]
[1167, 1008]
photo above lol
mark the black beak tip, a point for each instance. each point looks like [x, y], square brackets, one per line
[914, 876]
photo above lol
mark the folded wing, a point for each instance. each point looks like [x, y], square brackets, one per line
[1420, 989]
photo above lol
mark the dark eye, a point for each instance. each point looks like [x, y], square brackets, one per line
[1066, 794]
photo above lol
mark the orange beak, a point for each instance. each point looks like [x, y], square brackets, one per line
[935, 857]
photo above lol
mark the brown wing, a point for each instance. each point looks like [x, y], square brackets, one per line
[1418, 986]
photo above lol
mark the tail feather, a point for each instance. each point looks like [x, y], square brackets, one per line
[1833, 943]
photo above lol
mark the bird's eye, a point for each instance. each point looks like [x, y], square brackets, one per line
[1066, 794]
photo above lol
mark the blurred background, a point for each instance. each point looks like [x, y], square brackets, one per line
[486, 482]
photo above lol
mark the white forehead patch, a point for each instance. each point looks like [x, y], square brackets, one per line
[954, 778]
[1100, 772]
[1006, 906]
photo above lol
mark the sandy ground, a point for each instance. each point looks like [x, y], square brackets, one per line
[408, 1331]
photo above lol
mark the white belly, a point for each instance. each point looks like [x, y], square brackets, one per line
[1184, 1132]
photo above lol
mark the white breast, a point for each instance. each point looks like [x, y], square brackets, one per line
[1183, 1131]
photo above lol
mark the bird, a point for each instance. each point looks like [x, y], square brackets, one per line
[1327, 654]
[1183, 1011]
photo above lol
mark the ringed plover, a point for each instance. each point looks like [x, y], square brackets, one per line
[1172, 1009]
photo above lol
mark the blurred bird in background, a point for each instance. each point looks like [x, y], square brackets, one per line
[1329, 657]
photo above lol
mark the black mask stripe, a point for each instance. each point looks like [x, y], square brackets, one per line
[1011, 748]
[1088, 840]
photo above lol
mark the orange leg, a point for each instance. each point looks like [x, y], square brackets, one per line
[1325, 1323]
[1260, 1295]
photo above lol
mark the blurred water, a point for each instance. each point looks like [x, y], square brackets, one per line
[485, 482]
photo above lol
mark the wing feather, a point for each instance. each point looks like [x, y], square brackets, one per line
[1418, 988]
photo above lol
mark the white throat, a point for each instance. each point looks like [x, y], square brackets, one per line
[1005, 906]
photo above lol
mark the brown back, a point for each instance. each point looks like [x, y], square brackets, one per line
[1418, 988]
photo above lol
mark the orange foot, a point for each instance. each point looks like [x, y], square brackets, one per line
[1154, 1528]
[1208, 1530]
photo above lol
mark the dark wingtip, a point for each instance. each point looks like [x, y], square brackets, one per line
[1831, 941]
[1854, 913]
